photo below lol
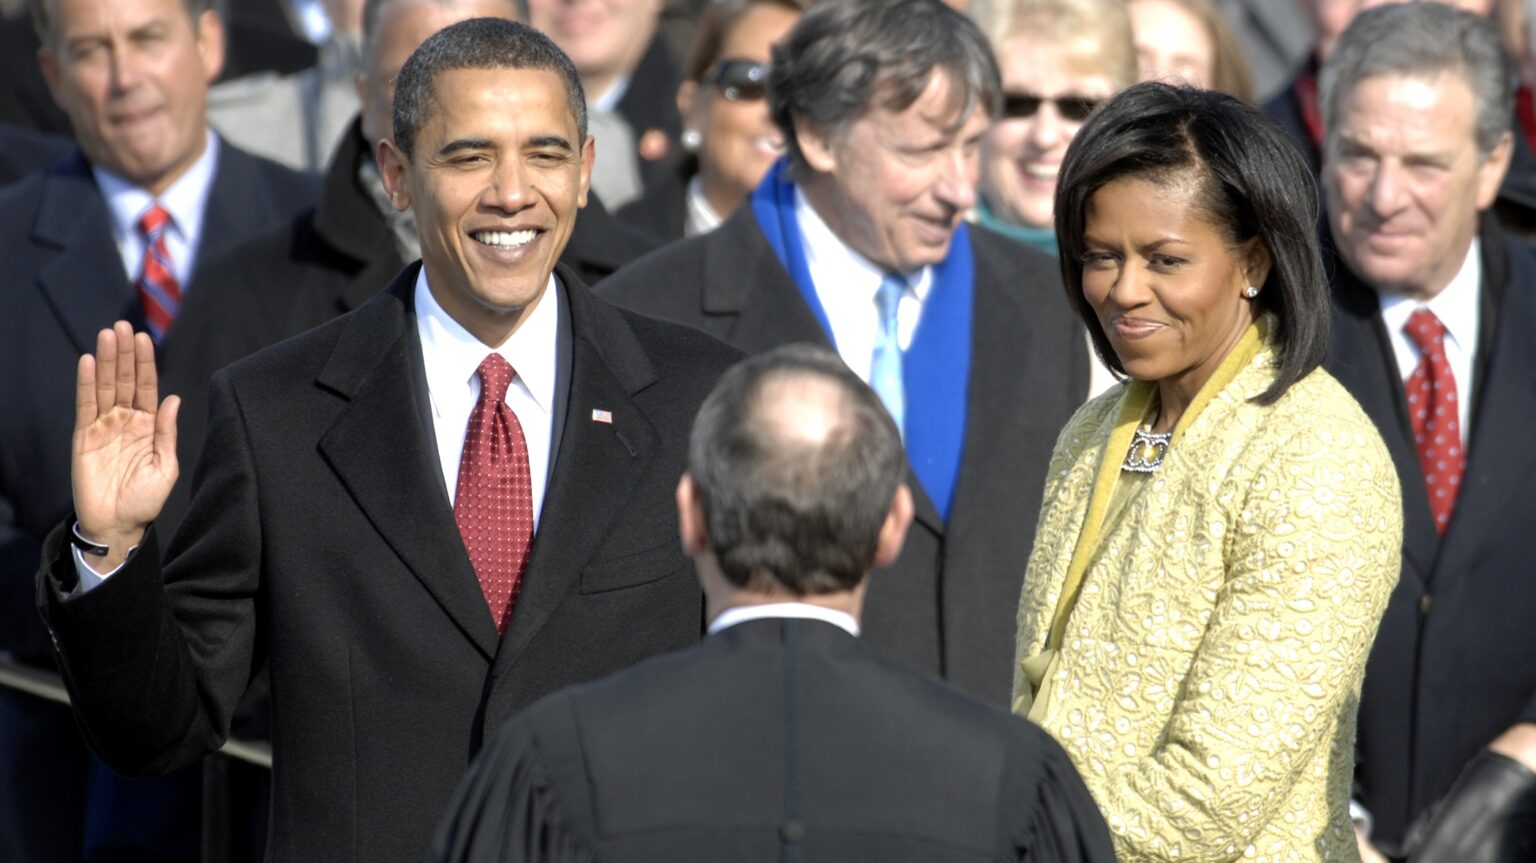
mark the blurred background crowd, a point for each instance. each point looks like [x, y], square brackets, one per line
[291, 227]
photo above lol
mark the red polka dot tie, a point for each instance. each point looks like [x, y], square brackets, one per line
[159, 292]
[1434, 412]
[493, 503]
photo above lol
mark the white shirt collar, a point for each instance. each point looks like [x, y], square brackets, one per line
[702, 218]
[1456, 306]
[798, 610]
[185, 200]
[825, 251]
[608, 101]
[451, 355]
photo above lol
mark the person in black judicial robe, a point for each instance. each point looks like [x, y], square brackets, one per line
[947, 605]
[781, 737]
[320, 535]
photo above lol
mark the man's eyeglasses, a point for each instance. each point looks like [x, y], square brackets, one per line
[740, 80]
[1022, 106]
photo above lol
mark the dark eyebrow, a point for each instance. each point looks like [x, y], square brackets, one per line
[465, 144]
[555, 141]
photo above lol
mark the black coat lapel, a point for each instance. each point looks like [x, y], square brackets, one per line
[381, 449]
[85, 282]
[1498, 467]
[1363, 361]
[598, 463]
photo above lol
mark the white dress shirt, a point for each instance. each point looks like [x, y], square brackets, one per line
[452, 356]
[186, 200]
[1457, 308]
[847, 284]
[701, 218]
[799, 610]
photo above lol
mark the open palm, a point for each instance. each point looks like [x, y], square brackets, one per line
[124, 460]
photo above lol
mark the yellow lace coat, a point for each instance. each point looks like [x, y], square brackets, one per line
[1210, 671]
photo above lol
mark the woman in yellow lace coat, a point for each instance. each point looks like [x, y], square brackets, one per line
[1220, 533]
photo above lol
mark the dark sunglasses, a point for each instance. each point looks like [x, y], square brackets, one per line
[1022, 106]
[740, 80]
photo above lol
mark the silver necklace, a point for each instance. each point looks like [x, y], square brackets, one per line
[1147, 450]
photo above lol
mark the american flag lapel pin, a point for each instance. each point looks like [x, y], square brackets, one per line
[601, 416]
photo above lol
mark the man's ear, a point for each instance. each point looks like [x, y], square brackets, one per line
[48, 64]
[210, 44]
[1490, 174]
[393, 169]
[893, 532]
[817, 148]
[588, 159]
[691, 524]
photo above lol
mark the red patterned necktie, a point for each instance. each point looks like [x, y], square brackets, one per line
[159, 292]
[493, 504]
[1433, 410]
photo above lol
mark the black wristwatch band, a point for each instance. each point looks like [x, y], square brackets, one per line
[85, 545]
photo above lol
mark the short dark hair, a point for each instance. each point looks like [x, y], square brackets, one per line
[792, 514]
[844, 54]
[477, 43]
[1250, 180]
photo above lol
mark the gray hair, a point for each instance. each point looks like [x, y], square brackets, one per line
[1420, 40]
[42, 17]
[789, 514]
[478, 43]
[373, 10]
[844, 54]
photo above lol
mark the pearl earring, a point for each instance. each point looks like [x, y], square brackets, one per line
[1253, 291]
[692, 139]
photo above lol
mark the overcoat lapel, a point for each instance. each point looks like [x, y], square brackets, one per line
[85, 283]
[598, 464]
[380, 448]
[1364, 363]
[744, 281]
[1497, 466]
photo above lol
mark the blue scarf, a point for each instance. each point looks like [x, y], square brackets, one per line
[937, 365]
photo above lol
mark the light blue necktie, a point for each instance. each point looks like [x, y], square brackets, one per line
[885, 368]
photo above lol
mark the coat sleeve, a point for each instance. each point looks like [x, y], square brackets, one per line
[1065, 825]
[1311, 555]
[156, 659]
[507, 808]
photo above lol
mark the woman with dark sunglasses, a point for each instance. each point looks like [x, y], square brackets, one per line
[1059, 59]
[728, 136]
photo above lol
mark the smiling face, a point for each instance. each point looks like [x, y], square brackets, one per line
[498, 174]
[1172, 45]
[133, 77]
[895, 185]
[1022, 156]
[740, 140]
[1405, 180]
[1165, 283]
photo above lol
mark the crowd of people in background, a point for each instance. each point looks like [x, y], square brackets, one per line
[1172, 363]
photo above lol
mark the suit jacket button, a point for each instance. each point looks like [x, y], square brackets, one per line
[792, 831]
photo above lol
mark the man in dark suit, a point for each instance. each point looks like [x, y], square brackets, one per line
[781, 737]
[76, 252]
[858, 241]
[424, 515]
[1434, 307]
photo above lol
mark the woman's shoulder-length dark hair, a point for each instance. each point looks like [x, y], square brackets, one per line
[1251, 182]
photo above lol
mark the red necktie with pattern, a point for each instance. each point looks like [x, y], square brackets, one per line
[158, 289]
[493, 504]
[1434, 412]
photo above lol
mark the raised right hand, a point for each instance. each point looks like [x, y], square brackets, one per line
[124, 457]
